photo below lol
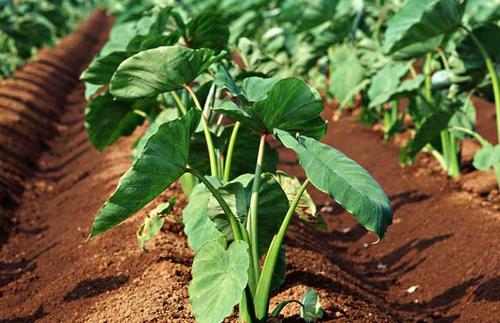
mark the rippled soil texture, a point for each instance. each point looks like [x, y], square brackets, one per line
[439, 262]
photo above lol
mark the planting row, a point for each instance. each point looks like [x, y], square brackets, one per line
[31, 104]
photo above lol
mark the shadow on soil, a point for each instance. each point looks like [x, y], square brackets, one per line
[407, 197]
[488, 291]
[436, 307]
[11, 271]
[38, 314]
[93, 287]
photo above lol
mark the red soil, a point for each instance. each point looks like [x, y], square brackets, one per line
[52, 182]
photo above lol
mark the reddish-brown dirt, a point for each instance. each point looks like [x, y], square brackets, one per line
[438, 263]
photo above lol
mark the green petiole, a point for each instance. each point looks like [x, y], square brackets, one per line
[252, 222]
[264, 285]
[208, 136]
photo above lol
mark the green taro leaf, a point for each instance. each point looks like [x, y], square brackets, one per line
[219, 278]
[409, 86]
[487, 157]
[160, 70]
[479, 12]
[256, 88]
[385, 83]
[421, 20]
[417, 50]
[290, 105]
[162, 161]
[343, 179]
[91, 90]
[464, 117]
[429, 130]
[164, 116]
[311, 310]
[307, 14]
[107, 119]
[208, 30]
[126, 40]
[197, 224]
[469, 53]
[101, 69]
[224, 80]
[347, 74]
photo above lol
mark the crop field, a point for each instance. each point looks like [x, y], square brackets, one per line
[249, 161]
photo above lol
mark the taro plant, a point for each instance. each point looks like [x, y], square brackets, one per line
[432, 54]
[235, 223]
[467, 30]
[28, 25]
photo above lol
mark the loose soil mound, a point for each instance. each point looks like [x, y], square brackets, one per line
[32, 104]
[439, 261]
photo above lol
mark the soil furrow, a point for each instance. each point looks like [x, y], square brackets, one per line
[30, 113]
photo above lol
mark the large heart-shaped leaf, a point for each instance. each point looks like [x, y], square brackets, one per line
[469, 53]
[125, 40]
[343, 179]
[107, 119]
[101, 69]
[421, 20]
[347, 74]
[165, 116]
[219, 278]
[162, 161]
[208, 30]
[160, 70]
[385, 83]
[197, 224]
[256, 88]
[290, 105]
[417, 50]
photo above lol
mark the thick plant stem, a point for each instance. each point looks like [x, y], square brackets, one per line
[445, 145]
[235, 226]
[208, 136]
[454, 163]
[179, 103]
[493, 75]
[246, 308]
[428, 76]
[264, 286]
[252, 224]
[230, 149]
[450, 153]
